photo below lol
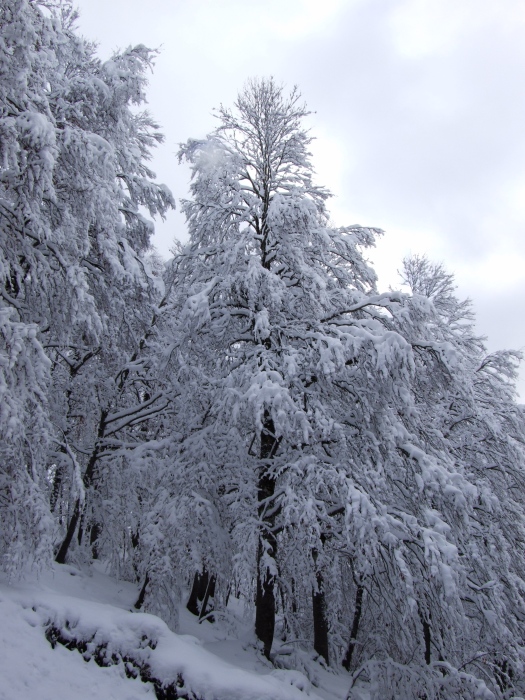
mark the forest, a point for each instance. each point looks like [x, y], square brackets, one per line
[252, 423]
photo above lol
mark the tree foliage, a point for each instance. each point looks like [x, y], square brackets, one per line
[260, 421]
[75, 282]
[326, 449]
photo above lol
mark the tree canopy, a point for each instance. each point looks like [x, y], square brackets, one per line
[255, 418]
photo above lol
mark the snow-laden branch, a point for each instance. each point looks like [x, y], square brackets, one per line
[381, 300]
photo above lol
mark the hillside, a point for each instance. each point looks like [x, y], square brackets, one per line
[92, 614]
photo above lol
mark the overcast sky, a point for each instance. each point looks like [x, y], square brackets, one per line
[419, 124]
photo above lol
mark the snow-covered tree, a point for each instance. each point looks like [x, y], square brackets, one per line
[309, 459]
[480, 427]
[77, 296]
[263, 421]
[264, 287]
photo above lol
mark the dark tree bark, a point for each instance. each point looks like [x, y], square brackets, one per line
[94, 534]
[80, 533]
[192, 604]
[265, 606]
[347, 661]
[142, 595]
[198, 592]
[62, 552]
[57, 487]
[294, 598]
[87, 480]
[426, 634]
[210, 593]
[320, 621]
[265, 597]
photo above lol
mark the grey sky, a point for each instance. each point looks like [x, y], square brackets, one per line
[420, 114]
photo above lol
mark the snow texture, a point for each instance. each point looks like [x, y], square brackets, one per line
[95, 608]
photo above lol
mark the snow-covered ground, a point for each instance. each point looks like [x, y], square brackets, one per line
[217, 661]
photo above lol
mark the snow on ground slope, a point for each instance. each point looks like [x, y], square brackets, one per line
[92, 613]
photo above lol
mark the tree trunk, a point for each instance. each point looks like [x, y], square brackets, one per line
[94, 535]
[192, 604]
[80, 533]
[320, 621]
[294, 598]
[57, 486]
[210, 592]
[62, 552]
[198, 592]
[265, 605]
[426, 634]
[87, 480]
[347, 661]
[267, 548]
[142, 595]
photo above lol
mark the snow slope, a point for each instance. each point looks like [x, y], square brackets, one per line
[96, 610]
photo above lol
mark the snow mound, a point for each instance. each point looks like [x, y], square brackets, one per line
[49, 633]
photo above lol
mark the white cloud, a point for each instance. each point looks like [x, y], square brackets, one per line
[422, 27]
[299, 18]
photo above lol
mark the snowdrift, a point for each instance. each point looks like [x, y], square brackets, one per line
[53, 626]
